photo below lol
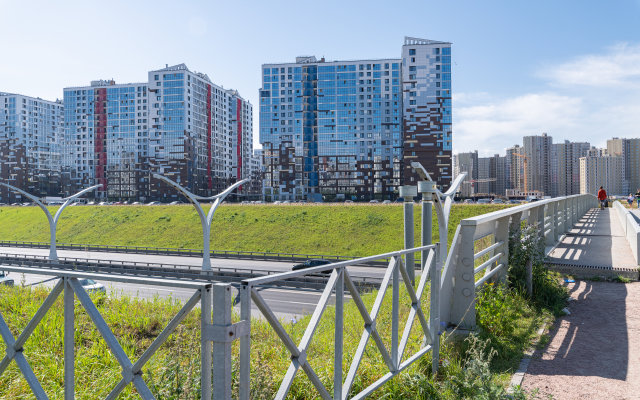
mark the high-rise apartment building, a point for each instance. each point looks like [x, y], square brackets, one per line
[31, 131]
[466, 162]
[629, 150]
[514, 168]
[605, 171]
[178, 123]
[426, 90]
[332, 128]
[565, 167]
[537, 163]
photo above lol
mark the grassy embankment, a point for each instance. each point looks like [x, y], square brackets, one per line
[349, 230]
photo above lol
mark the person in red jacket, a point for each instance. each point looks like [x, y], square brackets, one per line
[602, 196]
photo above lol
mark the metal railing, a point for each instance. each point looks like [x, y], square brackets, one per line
[467, 269]
[631, 227]
[395, 275]
[68, 283]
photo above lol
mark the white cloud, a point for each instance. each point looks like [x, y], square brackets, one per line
[497, 124]
[618, 67]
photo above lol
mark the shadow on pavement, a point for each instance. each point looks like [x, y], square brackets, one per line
[593, 340]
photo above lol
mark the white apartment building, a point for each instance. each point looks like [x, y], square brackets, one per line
[30, 136]
[178, 123]
[605, 171]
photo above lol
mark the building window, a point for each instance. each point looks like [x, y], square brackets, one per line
[412, 52]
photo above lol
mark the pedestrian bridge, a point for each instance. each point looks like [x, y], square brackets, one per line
[602, 243]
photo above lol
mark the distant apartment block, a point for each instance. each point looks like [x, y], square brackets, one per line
[537, 159]
[31, 131]
[514, 166]
[466, 163]
[565, 167]
[178, 123]
[334, 128]
[629, 150]
[486, 176]
[605, 171]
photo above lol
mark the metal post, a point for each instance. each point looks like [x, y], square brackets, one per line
[553, 213]
[408, 193]
[245, 344]
[338, 336]
[463, 311]
[428, 190]
[69, 341]
[434, 313]
[562, 212]
[502, 235]
[395, 314]
[221, 346]
[205, 345]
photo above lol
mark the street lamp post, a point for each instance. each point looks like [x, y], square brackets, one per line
[205, 220]
[53, 219]
[408, 192]
[442, 204]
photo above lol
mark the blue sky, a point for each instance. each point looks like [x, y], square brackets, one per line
[569, 68]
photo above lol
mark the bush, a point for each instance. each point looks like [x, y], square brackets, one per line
[527, 245]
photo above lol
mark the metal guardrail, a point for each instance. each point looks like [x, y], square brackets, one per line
[340, 279]
[175, 251]
[234, 276]
[461, 278]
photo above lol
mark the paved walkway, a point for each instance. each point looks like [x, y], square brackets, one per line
[594, 353]
[596, 240]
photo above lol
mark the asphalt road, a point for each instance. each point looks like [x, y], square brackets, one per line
[285, 303]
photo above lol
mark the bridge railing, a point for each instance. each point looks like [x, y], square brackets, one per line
[339, 282]
[480, 250]
[631, 227]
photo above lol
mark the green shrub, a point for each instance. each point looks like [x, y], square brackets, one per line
[527, 245]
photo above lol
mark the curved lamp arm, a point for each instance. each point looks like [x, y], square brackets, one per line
[443, 202]
[33, 198]
[53, 220]
[205, 220]
[70, 199]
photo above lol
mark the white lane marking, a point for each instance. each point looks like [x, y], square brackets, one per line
[291, 302]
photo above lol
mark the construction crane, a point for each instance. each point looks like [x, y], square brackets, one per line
[525, 160]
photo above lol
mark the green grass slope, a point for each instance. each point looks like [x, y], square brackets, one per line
[350, 230]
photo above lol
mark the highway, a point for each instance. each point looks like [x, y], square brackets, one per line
[286, 303]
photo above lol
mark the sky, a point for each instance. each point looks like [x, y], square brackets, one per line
[569, 68]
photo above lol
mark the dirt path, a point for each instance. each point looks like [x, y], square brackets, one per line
[594, 353]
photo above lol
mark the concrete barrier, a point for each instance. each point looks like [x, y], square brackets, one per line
[631, 227]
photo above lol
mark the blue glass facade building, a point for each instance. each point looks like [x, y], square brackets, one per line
[339, 129]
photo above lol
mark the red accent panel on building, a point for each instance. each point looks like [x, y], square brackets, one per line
[239, 149]
[100, 137]
[209, 179]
